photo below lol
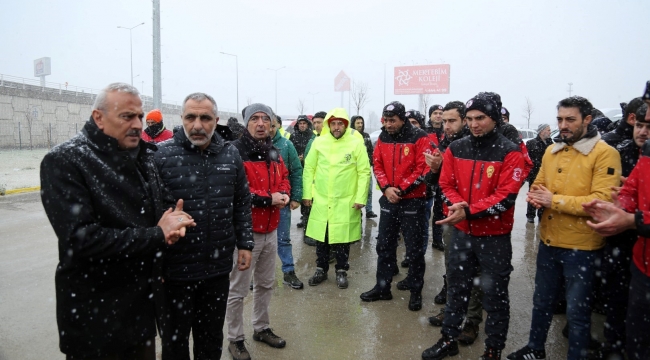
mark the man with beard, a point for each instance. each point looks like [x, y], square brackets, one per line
[480, 179]
[434, 128]
[617, 253]
[335, 182]
[632, 211]
[155, 131]
[292, 162]
[578, 168]
[536, 148]
[269, 187]
[454, 124]
[199, 166]
[359, 123]
[106, 202]
[400, 168]
[302, 133]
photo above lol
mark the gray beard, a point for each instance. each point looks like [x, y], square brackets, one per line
[199, 143]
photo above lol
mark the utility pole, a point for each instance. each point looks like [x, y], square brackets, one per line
[276, 87]
[131, 44]
[313, 101]
[237, 70]
[570, 85]
[157, 68]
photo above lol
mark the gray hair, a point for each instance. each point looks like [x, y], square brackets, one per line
[100, 100]
[198, 97]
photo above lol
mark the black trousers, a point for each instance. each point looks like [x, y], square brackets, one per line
[493, 256]
[436, 230]
[615, 284]
[199, 307]
[638, 316]
[407, 216]
[144, 351]
[341, 251]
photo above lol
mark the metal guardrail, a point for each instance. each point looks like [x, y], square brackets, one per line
[16, 82]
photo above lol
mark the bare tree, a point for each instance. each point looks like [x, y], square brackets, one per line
[301, 106]
[359, 95]
[425, 98]
[30, 125]
[249, 100]
[528, 110]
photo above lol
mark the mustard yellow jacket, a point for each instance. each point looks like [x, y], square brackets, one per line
[576, 174]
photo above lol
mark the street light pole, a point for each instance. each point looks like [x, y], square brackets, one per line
[313, 101]
[237, 70]
[131, 44]
[276, 86]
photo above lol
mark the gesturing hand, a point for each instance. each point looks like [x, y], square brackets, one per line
[174, 223]
[456, 214]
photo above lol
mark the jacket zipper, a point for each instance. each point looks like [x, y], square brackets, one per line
[207, 196]
[471, 185]
[480, 177]
[268, 170]
[393, 165]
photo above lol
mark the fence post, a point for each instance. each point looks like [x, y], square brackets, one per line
[49, 135]
[2, 80]
[23, 84]
[59, 89]
[20, 140]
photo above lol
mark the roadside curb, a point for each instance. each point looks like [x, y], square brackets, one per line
[20, 190]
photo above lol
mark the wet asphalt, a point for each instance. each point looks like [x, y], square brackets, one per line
[321, 322]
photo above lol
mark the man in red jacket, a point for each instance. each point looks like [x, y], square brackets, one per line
[632, 212]
[268, 180]
[155, 131]
[399, 167]
[480, 179]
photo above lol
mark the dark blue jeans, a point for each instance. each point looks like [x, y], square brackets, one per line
[638, 316]
[492, 255]
[407, 216]
[577, 267]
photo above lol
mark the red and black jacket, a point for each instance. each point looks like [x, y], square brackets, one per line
[435, 134]
[634, 197]
[399, 161]
[266, 175]
[486, 172]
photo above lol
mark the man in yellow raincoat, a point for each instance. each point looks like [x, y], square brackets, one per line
[335, 185]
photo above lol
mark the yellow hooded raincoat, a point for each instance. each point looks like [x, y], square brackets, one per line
[335, 177]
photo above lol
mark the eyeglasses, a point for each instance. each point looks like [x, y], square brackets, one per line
[257, 118]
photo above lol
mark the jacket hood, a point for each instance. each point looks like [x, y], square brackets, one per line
[310, 126]
[354, 119]
[338, 113]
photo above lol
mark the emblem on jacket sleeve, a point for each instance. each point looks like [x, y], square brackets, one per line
[516, 175]
[490, 171]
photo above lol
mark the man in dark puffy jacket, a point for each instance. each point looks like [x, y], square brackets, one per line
[236, 128]
[536, 148]
[480, 179]
[200, 167]
[625, 126]
[358, 123]
[303, 131]
[268, 181]
[106, 202]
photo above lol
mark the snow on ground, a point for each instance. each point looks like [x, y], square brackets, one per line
[20, 168]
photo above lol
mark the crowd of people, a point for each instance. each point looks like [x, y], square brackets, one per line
[166, 232]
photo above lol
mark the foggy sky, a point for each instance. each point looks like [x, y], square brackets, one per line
[516, 48]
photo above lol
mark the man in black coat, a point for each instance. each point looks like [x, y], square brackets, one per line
[303, 131]
[199, 166]
[625, 127]
[105, 200]
[358, 123]
[536, 148]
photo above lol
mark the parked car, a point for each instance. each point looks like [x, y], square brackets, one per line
[374, 136]
[527, 134]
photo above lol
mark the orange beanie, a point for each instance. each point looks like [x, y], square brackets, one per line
[154, 115]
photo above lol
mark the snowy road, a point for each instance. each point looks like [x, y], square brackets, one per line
[320, 322]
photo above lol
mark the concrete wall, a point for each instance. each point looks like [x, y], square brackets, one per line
[64, 112]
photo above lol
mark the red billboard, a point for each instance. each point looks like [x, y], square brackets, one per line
[422, 79]
[342, 82]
